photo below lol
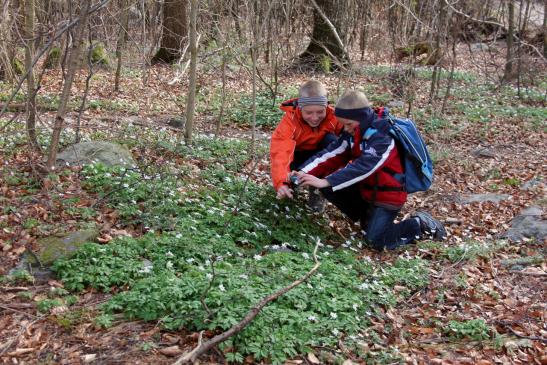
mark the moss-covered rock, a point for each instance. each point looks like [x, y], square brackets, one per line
[54, 247]
[18, 66]
[53, 59]
[99, 55]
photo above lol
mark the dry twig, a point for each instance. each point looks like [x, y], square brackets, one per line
[193, 355]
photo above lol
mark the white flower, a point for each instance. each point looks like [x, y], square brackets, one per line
[125, 185]
[169, 265]
[209, 276]
[335, 332]
[169, 254]
[312, 318]
[257, 257]
[145, 270]
[305, 255]
[178, 235]
[221, 287]
[333, 315]
[355, 306]
[190, 260]
[243, 276]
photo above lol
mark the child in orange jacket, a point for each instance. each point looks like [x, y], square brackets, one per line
[307, 127]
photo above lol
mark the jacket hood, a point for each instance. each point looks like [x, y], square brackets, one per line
[289, 105]
[367, 121]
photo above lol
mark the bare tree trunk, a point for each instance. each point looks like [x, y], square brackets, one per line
[73, 64]
[190, 102]
[122, 38]
[174, 31]
[435, 79]
[145, 60]
[6, 68]
[450, 77]
[29, 11]
[254, 55]
[509, 58]
[223, 94]
[545, 29]
[86, 91]
[325, 41]
[363, 40]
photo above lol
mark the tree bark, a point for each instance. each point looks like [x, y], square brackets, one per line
[325, 42]
[122, 38]
[73, 64]
[29, 11]
[174, 31]
[6, 68]
[509, 58]
[191, 101]
[545, 29]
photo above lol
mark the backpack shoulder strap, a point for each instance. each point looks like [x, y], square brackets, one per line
[369, 133]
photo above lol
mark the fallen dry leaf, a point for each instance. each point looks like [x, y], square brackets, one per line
[171, 351]
[312, 358]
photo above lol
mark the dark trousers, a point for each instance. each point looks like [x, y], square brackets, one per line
[377, 222]
[302, 156]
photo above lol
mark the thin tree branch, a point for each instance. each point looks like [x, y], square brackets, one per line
[43, 50]
[536, 50]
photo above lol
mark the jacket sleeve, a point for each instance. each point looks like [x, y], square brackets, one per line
[375, 152]
[330, 159]
[282, 148]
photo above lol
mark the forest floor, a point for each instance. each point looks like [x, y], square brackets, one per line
[484, 144]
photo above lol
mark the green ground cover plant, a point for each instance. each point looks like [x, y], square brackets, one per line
[228, 244]
[473, 329]
[268, 113]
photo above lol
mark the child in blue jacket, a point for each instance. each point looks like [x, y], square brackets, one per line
[358, 174]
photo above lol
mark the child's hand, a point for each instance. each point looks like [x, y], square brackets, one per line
[310, 180]
[284, 192]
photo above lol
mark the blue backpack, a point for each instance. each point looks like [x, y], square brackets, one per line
[417, 164]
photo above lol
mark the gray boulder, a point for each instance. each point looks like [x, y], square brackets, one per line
[108, 153]
[528, 224]
[488, 197]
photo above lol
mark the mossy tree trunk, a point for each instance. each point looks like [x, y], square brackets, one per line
[324, 48]
[174, 31]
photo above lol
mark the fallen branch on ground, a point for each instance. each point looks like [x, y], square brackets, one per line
[193, 355]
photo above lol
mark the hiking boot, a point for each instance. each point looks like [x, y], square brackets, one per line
[431, 226]
[316, 202]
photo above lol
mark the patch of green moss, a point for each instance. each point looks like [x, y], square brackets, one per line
[53, 58]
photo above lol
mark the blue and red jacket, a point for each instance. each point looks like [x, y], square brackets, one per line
[368, 159]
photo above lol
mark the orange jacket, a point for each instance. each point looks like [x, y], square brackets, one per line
[294, 134]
